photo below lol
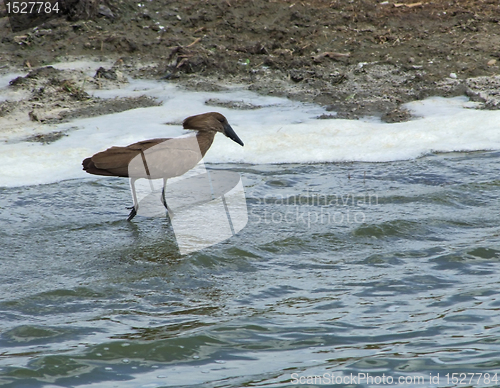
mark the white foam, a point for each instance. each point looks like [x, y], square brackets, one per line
[85, 65]
[282, 131]
[7, 93]
[446, 125]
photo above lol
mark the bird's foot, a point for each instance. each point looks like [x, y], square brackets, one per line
[133, 212]
[170, 213]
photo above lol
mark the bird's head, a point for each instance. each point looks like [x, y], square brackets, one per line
[212, 121]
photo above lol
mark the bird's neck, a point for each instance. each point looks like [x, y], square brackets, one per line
[205, 140]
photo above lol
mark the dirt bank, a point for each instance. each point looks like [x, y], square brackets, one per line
[356, 57]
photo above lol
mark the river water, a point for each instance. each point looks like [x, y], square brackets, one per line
[349, 273]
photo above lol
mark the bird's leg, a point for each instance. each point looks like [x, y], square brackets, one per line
[164, 200]
[135, 208]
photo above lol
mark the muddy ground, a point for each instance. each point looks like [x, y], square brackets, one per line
[355, 57]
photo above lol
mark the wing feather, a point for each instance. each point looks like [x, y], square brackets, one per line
[155, 158]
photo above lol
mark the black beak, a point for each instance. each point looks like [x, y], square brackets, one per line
[228, 131]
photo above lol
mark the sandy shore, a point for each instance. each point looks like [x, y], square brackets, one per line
[355, 58]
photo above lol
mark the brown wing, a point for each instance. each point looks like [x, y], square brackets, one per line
[115, 160]
[166, 159]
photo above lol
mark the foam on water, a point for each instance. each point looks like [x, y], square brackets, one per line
[281, 131]
[8, 94]
[89, 66]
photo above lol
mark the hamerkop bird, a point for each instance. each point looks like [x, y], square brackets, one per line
[161, 158]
